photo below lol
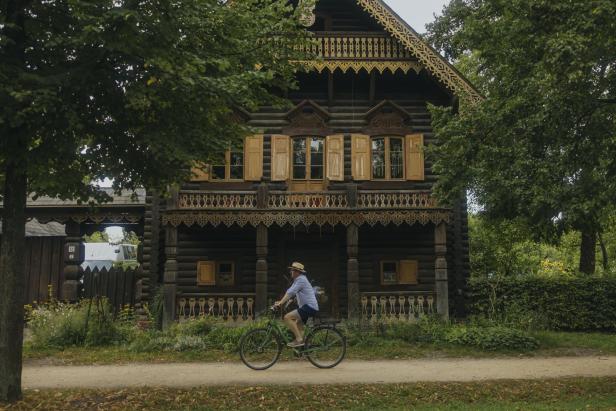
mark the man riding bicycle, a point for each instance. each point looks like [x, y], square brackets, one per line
[306, 301]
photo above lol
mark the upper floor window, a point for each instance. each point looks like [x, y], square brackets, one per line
[387, 158]
[230, 167]
[308, 158]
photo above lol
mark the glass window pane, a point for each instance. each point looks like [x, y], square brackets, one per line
[378, 158]
[317, 149]
[299, 158]
[236, 171]
[390, 272]
[396, 158]
[218, 172]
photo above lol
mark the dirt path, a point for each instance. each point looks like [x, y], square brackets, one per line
[301, 372]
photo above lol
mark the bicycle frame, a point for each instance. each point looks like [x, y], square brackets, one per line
[275, 326]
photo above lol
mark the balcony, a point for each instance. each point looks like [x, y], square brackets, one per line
[291, 200]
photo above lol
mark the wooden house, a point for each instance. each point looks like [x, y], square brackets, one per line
[339, 182]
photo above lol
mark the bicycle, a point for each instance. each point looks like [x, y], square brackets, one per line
[324, 345]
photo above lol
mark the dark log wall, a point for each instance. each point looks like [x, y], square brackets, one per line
[44, 268]
[396, 243]
[216, 244]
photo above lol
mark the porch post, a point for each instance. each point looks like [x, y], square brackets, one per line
[440, 270]
[261, 269]
[170, 286]
[73, 257]
[353, 270]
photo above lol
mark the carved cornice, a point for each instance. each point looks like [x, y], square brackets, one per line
[85, 217]
[307, 118]
[436, 64]
[367, 65]
[388, 118]
[270, 218]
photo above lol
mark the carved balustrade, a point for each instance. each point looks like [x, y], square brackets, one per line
[292, 200]
[395, 199]
[228, 307]
[217, 200]
[397, 305]
[307, 200]
[363, 46]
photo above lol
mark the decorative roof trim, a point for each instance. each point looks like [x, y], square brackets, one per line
[368, 65]
[284, 218]
[433, 61]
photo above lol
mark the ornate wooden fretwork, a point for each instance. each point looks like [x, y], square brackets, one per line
[305, 218]
[83, 217]
[395, 199]
[227, 307]
[230, 199]
[298, 200]
[369, 66]
[420, 49]
[402, 306]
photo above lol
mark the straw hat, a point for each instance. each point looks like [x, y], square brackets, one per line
[297, 266]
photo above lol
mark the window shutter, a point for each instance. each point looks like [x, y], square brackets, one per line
[335, 157]
[415, 157]
[281, 157]
[360, 156]
[206, 273]
[200, 172]
[408, 272]
[253, 158]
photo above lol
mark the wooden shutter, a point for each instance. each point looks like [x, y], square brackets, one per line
[281, 158]
[408, 272]
[253, 158]
[360, 156]
[335, 157]
[200, 172]
[206, 273]
[415, 157]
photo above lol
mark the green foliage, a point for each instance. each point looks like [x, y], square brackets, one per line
[96, 237]
[578, 304]
[540, 148]
[491, 338]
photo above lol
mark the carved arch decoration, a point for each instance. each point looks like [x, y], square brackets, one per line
[307, 118]
[388, 117]
[368, 65]
[433, 62]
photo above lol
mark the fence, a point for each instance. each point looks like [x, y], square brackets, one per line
[116, 284]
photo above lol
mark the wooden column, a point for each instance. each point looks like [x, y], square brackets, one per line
[261, 269]
[73, 257]
[170, 276]
[440, 270]
[353, 270]
[170, 279]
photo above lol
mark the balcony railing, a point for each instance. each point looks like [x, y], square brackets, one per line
[229, 307]
[401, 305]
[291, 200]
[363, 46]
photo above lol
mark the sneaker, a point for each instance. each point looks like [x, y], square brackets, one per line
[295, 344]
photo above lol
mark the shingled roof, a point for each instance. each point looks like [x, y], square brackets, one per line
[36, 229]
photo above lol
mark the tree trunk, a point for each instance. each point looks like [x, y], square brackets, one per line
[587, 251]
[604, 254]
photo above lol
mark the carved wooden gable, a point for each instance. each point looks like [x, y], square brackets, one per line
[388, 118]
[307, 118]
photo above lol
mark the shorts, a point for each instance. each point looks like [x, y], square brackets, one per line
[306, 311]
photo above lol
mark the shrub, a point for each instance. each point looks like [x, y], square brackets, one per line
[571, 304]
[491, 338]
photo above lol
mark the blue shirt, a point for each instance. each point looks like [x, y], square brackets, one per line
[302, 288]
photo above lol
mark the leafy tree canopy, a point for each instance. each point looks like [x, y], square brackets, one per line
[541, 147]
[96, 237]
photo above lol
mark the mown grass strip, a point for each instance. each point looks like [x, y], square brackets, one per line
[570, 393]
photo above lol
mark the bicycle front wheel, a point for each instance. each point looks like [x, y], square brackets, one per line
[260, 349]
[325, 347]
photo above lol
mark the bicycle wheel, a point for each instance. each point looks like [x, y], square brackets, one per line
[325, 347]
[260, 348]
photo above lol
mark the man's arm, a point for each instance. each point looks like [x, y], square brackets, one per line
[291, 292]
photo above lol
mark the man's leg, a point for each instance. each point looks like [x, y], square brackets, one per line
[293, 321]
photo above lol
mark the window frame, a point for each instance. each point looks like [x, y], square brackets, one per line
[227, 166]
[308, 165]
[382, 265]
[218, 282]
[387, 154]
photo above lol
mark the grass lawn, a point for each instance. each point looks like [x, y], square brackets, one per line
[551, 344]
[558, 394]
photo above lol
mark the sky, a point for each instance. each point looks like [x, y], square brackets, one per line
[417, 12]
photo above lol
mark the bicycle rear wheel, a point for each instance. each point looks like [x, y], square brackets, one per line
[325, 347]
[260, 349]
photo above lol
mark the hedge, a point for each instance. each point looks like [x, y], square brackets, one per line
[576, 304]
